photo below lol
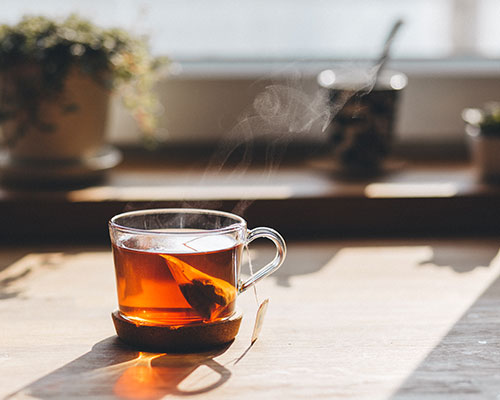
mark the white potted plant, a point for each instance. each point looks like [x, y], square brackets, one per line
[56, 78]
[483, 133]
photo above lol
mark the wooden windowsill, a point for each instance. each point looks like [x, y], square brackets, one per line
[301, 199]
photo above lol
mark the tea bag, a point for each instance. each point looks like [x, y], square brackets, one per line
[207, 295]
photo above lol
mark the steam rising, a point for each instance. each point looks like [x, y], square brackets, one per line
[290, 109]
[281, 112]
[278, 113]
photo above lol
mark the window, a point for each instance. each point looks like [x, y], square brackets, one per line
[446, 46]
[290, 29]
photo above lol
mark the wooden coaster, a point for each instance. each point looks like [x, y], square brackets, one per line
[180, 339]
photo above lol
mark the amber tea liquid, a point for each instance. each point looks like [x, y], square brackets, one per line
[188, 281]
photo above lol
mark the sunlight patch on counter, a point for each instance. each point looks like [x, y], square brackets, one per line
[140, 193]
[405, 190]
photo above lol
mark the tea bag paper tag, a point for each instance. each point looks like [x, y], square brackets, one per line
[259, 320]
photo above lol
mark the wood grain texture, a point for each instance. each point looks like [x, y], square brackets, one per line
[347, 319]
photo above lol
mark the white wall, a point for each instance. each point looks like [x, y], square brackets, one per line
[205, 107]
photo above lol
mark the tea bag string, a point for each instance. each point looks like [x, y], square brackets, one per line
[251, 273]
[261, 308]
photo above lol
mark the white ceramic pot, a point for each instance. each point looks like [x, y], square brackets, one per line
[485, 153]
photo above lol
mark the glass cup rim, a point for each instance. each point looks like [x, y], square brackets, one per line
[239, 224]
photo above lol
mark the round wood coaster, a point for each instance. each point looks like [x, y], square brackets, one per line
[180, 339]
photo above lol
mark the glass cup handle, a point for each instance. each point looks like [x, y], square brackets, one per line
[278, 241]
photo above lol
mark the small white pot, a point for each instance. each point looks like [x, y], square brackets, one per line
[485, 153]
